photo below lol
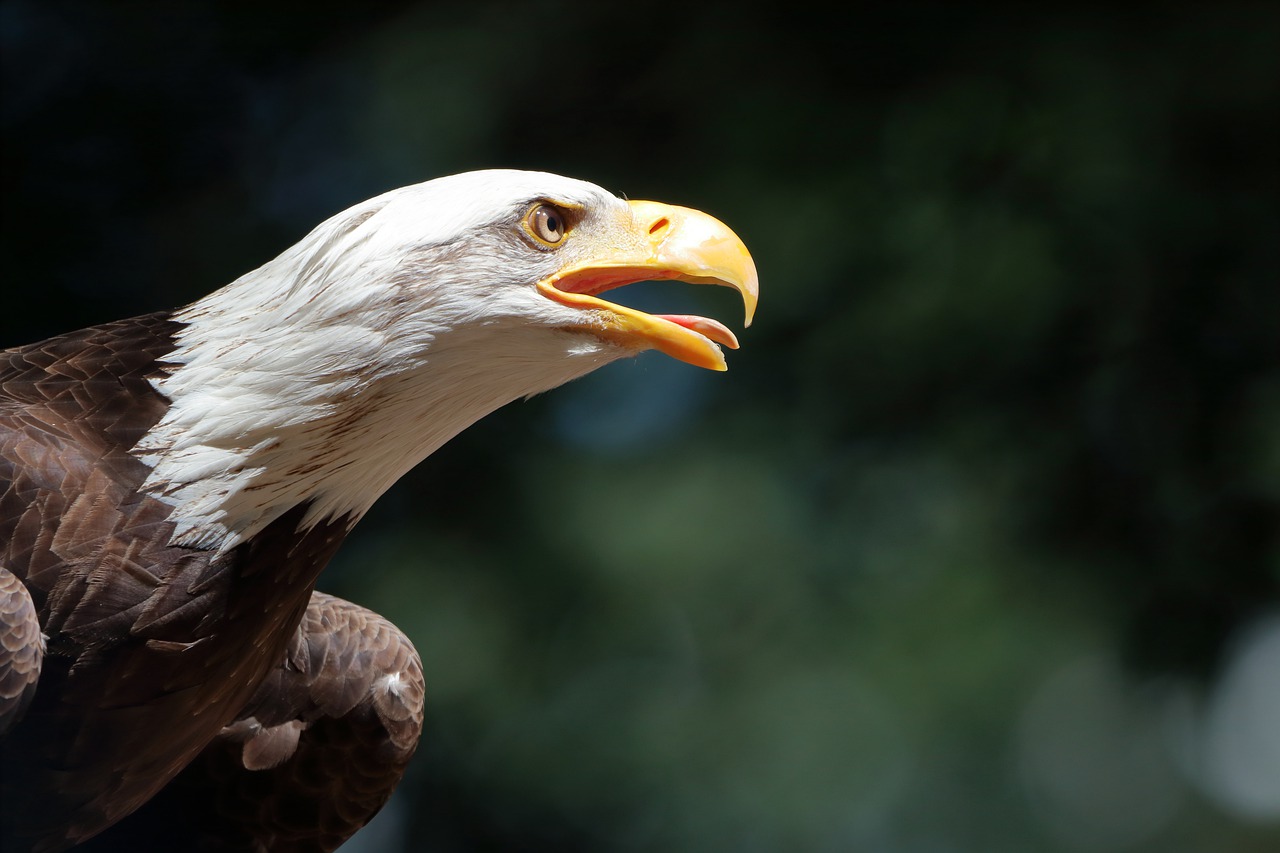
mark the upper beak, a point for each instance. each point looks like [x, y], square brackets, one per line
[667, 242]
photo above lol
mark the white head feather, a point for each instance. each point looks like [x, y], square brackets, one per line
[329, 372]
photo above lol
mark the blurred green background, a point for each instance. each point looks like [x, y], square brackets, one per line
[976, 547]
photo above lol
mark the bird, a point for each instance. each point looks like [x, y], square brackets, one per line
[171, 486]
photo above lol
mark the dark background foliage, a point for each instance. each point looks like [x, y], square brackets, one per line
[976, 545]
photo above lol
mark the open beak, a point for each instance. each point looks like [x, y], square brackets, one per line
[667, 242]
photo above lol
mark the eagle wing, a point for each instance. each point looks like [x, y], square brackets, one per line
[314, 755]
[21, 649]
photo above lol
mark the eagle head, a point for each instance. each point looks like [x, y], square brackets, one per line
[325, 374]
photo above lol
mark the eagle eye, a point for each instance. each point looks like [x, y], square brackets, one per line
[546, 223]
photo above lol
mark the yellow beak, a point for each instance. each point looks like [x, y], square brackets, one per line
[664, 242]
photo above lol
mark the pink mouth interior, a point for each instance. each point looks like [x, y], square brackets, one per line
[596, 281]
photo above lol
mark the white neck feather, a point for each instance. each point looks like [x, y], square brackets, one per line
[329, 372]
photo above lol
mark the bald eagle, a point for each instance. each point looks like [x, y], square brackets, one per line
[171, 486]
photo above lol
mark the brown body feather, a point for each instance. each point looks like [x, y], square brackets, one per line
[152, 648]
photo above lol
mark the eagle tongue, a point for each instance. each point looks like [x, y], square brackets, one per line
[706, 327]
